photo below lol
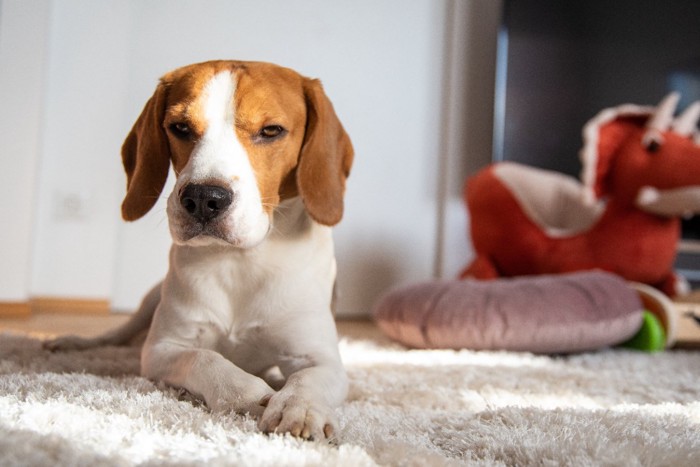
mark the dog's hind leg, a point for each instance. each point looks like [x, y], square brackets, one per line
[122, 335]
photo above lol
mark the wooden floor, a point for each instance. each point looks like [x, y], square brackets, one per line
[86, 325]
[53, 324]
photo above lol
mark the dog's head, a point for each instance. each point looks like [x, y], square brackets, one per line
[242, 137]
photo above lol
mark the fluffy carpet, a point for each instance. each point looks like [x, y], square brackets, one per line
[405, 407]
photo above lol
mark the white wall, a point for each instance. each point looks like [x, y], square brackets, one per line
[77, 214]
[23, 27]
[382, 64]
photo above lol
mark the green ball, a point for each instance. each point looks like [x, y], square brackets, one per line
[651, 337]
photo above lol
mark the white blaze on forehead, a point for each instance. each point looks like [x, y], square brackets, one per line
[219, 154]
[218, 99]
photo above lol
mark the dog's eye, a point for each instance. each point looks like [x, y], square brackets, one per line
[180, 130]
[271, 131]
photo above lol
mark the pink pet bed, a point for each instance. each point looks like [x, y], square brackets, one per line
[542, 314]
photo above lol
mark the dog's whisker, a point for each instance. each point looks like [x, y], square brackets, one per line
[163, 219]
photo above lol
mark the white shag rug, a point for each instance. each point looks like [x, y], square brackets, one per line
[405, 407]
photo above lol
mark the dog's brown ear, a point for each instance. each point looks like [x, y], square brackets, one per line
[325, 160]
[146, 158]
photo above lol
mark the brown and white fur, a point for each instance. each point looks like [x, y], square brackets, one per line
[261, 161]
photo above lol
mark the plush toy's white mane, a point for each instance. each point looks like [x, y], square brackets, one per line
[591, 131]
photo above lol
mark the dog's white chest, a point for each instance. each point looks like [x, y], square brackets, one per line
[292, 272]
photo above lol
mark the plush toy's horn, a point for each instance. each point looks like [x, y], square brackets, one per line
[660, 120]
[686, 123]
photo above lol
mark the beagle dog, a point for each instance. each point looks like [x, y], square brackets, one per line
[243, 317]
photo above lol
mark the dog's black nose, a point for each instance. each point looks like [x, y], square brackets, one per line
[205, 202]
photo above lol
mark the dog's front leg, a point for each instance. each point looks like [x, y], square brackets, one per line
[206, 374]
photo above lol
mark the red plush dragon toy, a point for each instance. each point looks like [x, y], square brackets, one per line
[641, 173]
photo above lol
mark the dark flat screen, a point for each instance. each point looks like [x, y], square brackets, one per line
[562, 61]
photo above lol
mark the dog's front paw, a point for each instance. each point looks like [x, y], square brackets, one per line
[252, 407]
[251, 399]
[289, 413]
[64, 343]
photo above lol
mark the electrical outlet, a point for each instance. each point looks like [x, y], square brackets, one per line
[72, 206]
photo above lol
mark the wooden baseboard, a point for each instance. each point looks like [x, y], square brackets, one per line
[54, 305]
[69, 305]
[15, 310]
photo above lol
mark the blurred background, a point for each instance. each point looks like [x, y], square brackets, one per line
[412, 82]
[429, 91]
